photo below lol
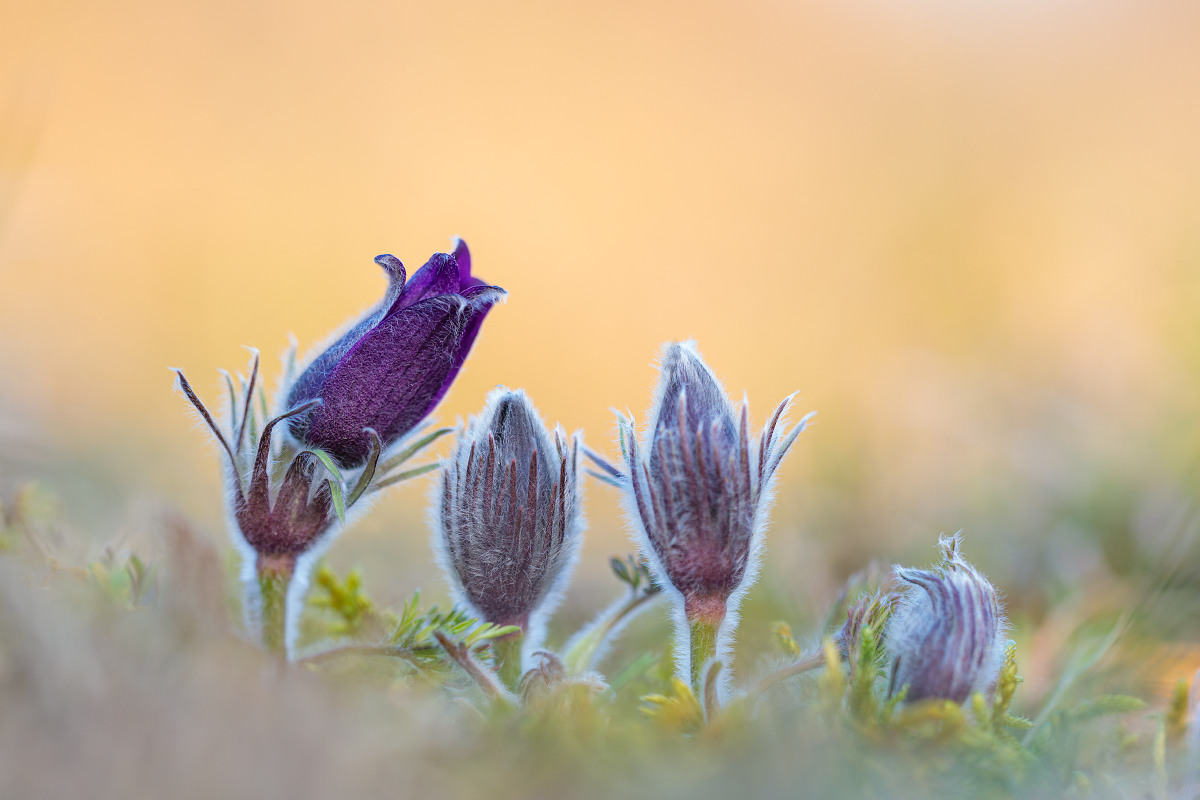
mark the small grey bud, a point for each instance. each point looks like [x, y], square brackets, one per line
[508, 519]
[946, 639]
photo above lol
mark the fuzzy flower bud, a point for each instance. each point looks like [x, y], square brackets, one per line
[508, 521]
[392, 368]
[697, 492]
[870, 611]
[946, 639]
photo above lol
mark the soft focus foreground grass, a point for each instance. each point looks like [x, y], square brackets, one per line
[119, 681]
[969, 239]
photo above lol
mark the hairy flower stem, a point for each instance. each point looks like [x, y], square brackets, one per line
[704, 613]
[487, 680]
[811, 661]
[703, 635]
[507, 650]
[712, 689]
[386, 651]
[274, 575]
[582, 651]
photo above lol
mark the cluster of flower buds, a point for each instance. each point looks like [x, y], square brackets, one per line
[946, 638]
[697, 492]
[348, 413]
[508, 518]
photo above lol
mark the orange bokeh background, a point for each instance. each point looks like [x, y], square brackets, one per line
[968, 234]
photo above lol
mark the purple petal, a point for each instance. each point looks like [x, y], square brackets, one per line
[439, 276]
[311, 381]
[463, 256]
[392, 378]
[474, 321]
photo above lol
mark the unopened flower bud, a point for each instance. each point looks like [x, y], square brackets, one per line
[870, 611]
[508, 518]
[946, 638]
[698, 490]
[391, 369]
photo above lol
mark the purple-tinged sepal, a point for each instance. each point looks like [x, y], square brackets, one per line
[392, 367]
[697, 493]
[286, 504]
[946, 638]
[508, 520]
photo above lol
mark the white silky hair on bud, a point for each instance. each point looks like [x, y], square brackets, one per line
[946, 638]
[480, 527]
[681, 367]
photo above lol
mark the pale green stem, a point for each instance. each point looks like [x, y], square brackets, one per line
[274, 576]
[507, 651]
[703, 644]
[581, 655]
[813, 660]
[712, 702]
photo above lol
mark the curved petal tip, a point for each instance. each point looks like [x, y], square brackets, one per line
[462, 255]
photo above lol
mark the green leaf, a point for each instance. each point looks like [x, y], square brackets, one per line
[632, 672]
[403, 476]
[335, 486]
[368, 473]
[781, 634]
[233, 403]
[679, 711]
[620, 570]
[488, 631]
[1177, 710]
[863, 703]
[409, 452]
[1006, 687]
[289, 360]
[350, 607]
[262, 404]
[1105, 705]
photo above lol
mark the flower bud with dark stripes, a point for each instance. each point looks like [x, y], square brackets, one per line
[698, 491]
[946, 639]
[508, 518]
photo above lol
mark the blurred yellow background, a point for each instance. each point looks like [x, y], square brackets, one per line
[967, 232]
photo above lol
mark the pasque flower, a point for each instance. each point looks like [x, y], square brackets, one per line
[697, 494]
[388, 371]
[946, 639]
[508, 521]
[355, 401]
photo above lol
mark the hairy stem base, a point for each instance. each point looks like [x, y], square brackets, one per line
[507, 650]
[274, 576]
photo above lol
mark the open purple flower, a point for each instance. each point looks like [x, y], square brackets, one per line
[697, 492]
[396, 364]
[356, 398]
[946, 640]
